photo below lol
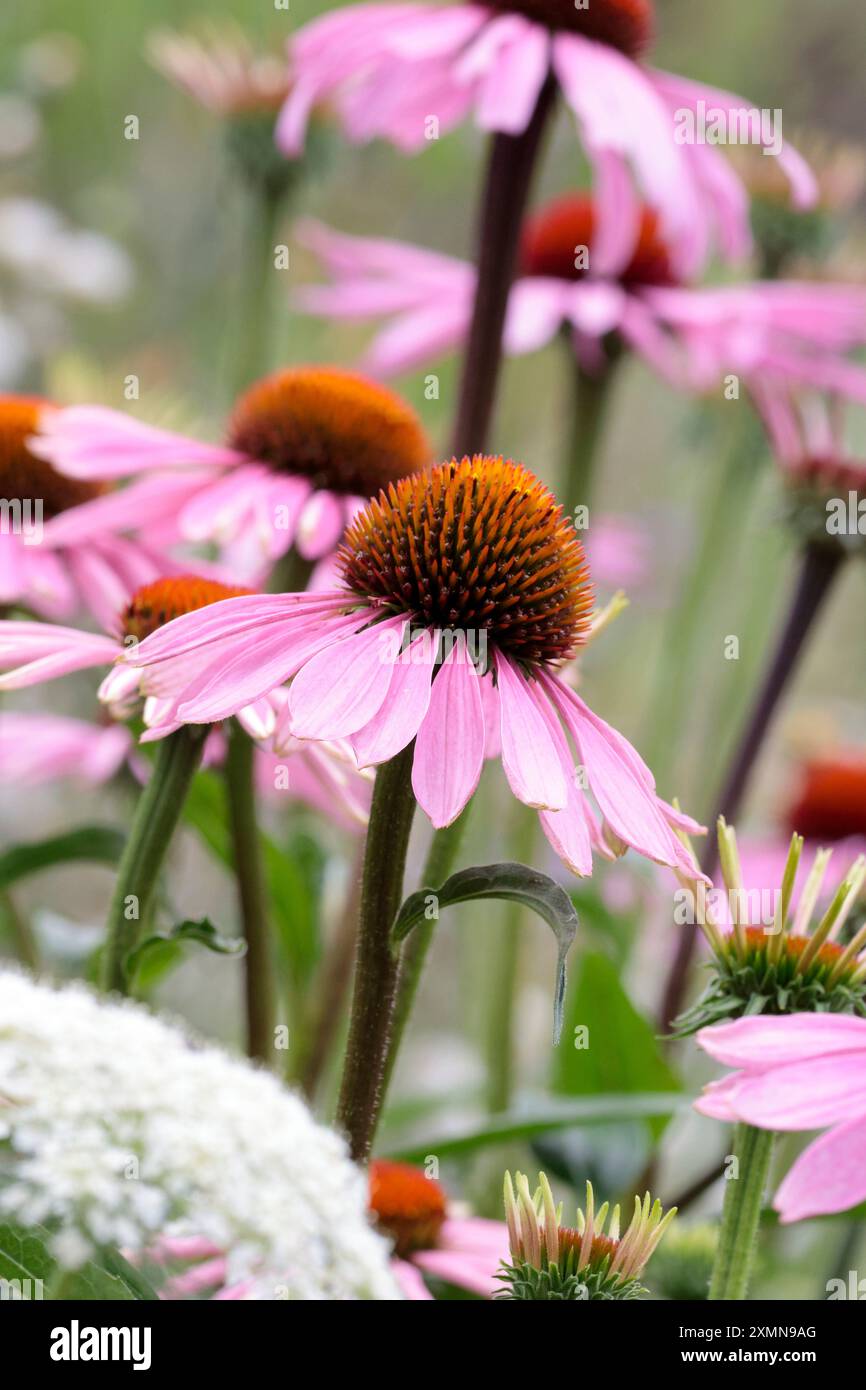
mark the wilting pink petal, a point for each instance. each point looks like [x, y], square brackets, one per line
[829, 1176]
[529, 755]
[449, 749]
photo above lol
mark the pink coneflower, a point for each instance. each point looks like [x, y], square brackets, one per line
[799, 1073]
[220, 70]
[388, 67]
[413, 1211]
[304, 448]
[464, 589]
[408, 1208]
[43, 565]
[790, 331]
[40, 748]
[32, 652]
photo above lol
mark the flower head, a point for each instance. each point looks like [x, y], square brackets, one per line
[304, 449]
[464, 587]
[220, 70]
[830, 801]
[772, 958]
[118, 1126]
[803, 1072]
[550, 1261]
[788, 332]
[824, 472]
[412, 1211]
[387, 66]
[39, 568]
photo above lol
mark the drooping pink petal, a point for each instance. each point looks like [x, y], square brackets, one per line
[829, 1176]
[449, 748]
[463, 1270]
[410, 1282]
[399, 717]
[804, 1094]
[529, 755]
[344, 686]
[766, 1041]
[94, 442]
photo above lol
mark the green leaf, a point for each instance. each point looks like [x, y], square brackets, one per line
[202, 933]
[100, 844]
[514, 883]
[525, 1124]
[25, 1255]
[622, 1053]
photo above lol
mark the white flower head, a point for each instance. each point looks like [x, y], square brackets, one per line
[118, 1126]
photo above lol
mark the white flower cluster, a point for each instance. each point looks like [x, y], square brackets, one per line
[119, 1127]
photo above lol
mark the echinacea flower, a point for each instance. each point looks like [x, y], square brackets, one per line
[38, 748]
[411, 1209]
[117, 1126]
[220, 70]
[552, 1262]
[821, 461]
[790, 331]
[387, 67]
[804, 1072]
[773, 952]
[304, 449]
[408, 1208]
[464, 589]
[40, 568]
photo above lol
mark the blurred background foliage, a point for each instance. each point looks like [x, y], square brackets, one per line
[177, 222]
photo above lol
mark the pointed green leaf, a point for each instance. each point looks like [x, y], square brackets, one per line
[514, 883]
[202, 933]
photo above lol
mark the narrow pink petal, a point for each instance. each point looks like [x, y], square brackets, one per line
[829, 1176]
[464, 1271]
[529, 755]
[765, 1042]
[410, 1282]
[93, 442]
[804, 1094]
[510, 88]
[344, 686]
[399, 718]
[449, 749]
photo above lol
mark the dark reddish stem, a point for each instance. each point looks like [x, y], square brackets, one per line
[503, 200]
[818, 570]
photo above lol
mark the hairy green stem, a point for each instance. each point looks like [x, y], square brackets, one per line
[259, 992]
[741, 1214]
[376, 963]
[441, 857]
[156, 816]
[332, 986]
[253, 337]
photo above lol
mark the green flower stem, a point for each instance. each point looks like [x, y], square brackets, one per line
[246, 851]
[741, 1214]
[441, 857]
[20, 931]
[156, 816]
[507, 180]
[253, 340]
[377, 964]
[589, 396]
[332, 986]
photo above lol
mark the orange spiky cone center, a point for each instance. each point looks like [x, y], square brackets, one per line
[831, 803]
[758, 940]
[557, 241]
[571, 1241]
[23, 476]
[343, 432]
[476, 545]
[155, 604]
[407, 1205]
[624, 24]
